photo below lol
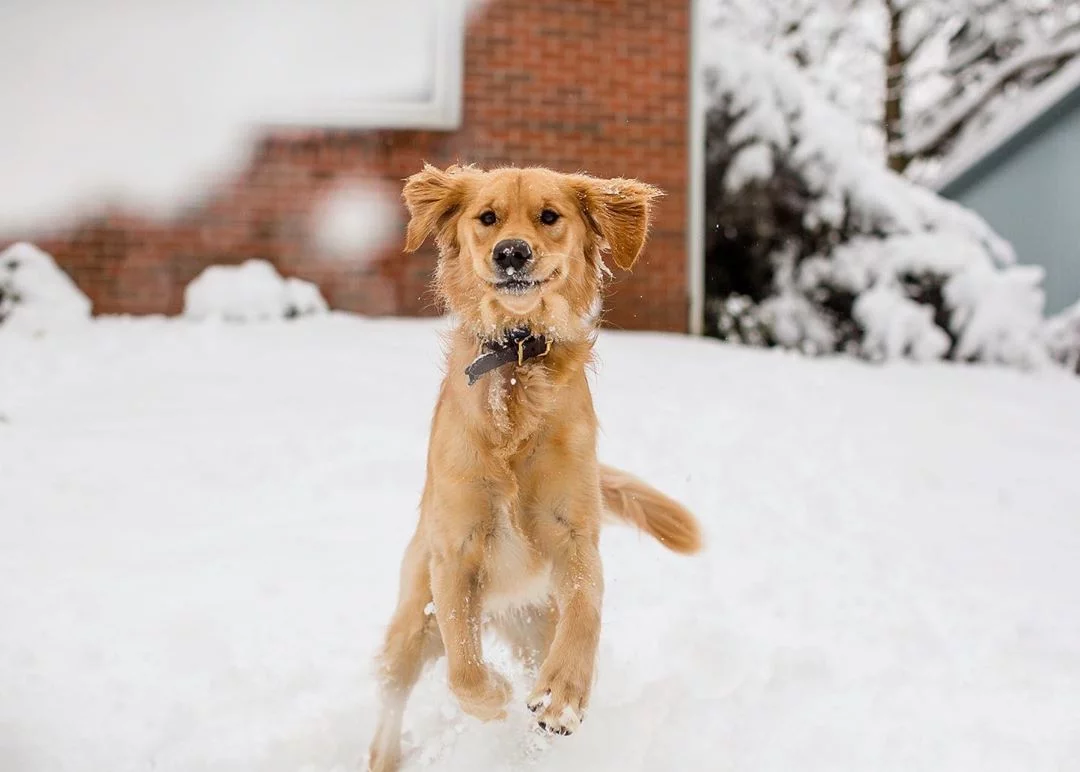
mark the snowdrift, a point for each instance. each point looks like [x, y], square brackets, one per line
[250, 292]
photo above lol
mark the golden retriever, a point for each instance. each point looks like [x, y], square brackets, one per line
[512, 506]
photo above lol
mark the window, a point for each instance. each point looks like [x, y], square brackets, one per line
[372, 63]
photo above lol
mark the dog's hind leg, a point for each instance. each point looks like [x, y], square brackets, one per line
[412, 640]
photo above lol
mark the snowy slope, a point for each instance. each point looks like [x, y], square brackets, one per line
[201, 529]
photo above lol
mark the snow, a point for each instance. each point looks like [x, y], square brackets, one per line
[1008, 121]
[1062, 333]
[896, 326]
[865, 261]
[999, 314]
[751, 164]
[357, 220]
[795, 321]
[959, 109]
[777, 105]
[37, 295]
[835, 40]
[85, 129]
[996, 314]
[202, 525]
[885, 228]
[303, 298]
[251, 291]
[960, 61]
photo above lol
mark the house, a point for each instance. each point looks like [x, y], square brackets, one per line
[601, 86]
[1023, 176]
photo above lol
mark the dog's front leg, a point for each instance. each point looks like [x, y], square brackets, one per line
[562, 689]
[455, 585]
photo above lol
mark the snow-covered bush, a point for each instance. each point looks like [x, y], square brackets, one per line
[7, 293]
[827, 250]
[1062, 334]
[252, 291]
[35, 293]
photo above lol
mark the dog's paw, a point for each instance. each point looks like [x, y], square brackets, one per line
[383, 759]
[484, 697]
[559, 704]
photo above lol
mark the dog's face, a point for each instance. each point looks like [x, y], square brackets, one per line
[524, 246]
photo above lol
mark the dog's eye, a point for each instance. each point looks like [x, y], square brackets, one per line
[549, 216]
[488, 218]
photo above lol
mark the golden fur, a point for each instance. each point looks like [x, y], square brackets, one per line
[514, 498]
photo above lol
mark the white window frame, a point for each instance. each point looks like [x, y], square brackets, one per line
[695, 210]
[440, 110]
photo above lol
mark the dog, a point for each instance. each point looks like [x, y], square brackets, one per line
[514, 496]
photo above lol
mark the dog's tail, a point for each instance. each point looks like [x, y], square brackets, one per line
[633, 501]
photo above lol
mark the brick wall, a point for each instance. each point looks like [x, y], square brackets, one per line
[590, 85]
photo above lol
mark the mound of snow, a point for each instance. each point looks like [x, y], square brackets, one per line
[36, 294]
[896, 326]
[252, 291]
[998, 315]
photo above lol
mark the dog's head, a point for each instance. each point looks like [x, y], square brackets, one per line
[525, 246]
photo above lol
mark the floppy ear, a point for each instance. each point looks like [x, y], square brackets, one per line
[620, 211]
[432, 196]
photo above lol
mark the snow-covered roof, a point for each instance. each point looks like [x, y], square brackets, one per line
[1009, 123]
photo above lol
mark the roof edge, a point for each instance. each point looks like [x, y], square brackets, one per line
[1052, 93]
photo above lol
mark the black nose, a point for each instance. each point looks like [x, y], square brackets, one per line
[511, 254]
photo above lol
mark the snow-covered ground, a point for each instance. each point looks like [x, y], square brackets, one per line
[200, 527]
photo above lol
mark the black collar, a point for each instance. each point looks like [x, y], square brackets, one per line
[518, 345]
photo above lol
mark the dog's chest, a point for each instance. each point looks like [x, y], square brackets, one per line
[518, 398]
[517, 576]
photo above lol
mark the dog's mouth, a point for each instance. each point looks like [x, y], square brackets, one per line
[517, 286]
[521, 285]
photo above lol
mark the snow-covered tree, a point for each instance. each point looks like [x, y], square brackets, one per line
[923, 73]
[812, 244]
[989, 52]
[1063, 337]
[831, 41]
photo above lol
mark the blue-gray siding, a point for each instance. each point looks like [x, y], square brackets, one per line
[1029, 192]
